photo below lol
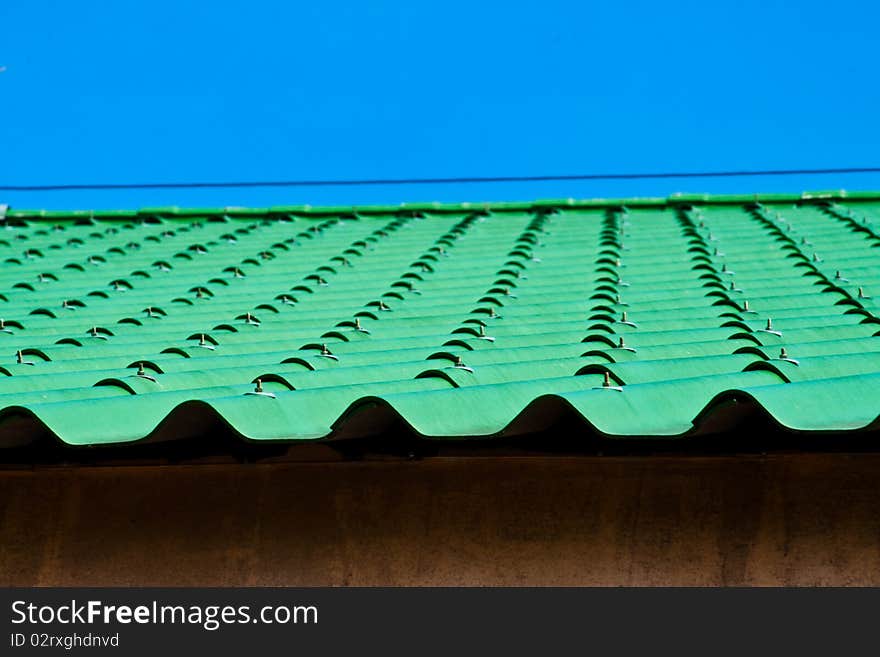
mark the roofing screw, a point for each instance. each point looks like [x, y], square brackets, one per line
[141, 371]
[383, 306]
[492, 312]
[862, 295]
[94, 331]
[837, 275]
[459, 364]
[783, 354]
[769, 325]
[259, 385]
[815, 257]
[620, 345]
[199, 294]
[202, 341]
[149, 311]
[325, 351]
[606, 383]
[18, 357]
[724, 268]
[746, 305]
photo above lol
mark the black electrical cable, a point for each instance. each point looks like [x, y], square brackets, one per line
[437, 181]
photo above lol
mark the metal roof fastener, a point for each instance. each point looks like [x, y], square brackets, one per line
[204, 343]
[459, 364]
[19, 358]
[862, 294]
[258, 390]
[624, 320]
[358, 327]
[606, 384]
[142, 373]
[622, 345]
[482, 334]
[326, 353]
[783, 355]
[3, 328]
[769, 328]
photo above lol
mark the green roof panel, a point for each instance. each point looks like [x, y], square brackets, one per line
[643, 316]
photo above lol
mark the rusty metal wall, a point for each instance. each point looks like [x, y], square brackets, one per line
[779, 519]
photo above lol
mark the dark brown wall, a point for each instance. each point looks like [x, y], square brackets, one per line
[783, 519]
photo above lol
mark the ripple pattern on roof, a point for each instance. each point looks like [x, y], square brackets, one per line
[646, 319]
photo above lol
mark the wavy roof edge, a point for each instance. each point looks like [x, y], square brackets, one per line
[713, 417]
[495, 206]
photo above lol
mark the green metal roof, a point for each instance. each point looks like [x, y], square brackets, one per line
[649, 317]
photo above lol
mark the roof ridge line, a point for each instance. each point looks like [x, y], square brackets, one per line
[495, 206]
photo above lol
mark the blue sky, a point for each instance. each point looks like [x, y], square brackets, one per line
[180, 91]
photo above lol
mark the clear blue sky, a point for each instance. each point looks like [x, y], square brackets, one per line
[119, 91]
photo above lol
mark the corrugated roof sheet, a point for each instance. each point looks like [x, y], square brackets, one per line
[647, 317]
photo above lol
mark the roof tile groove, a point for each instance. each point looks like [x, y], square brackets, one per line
[644, 318]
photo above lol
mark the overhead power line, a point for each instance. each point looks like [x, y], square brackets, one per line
[435, 181]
